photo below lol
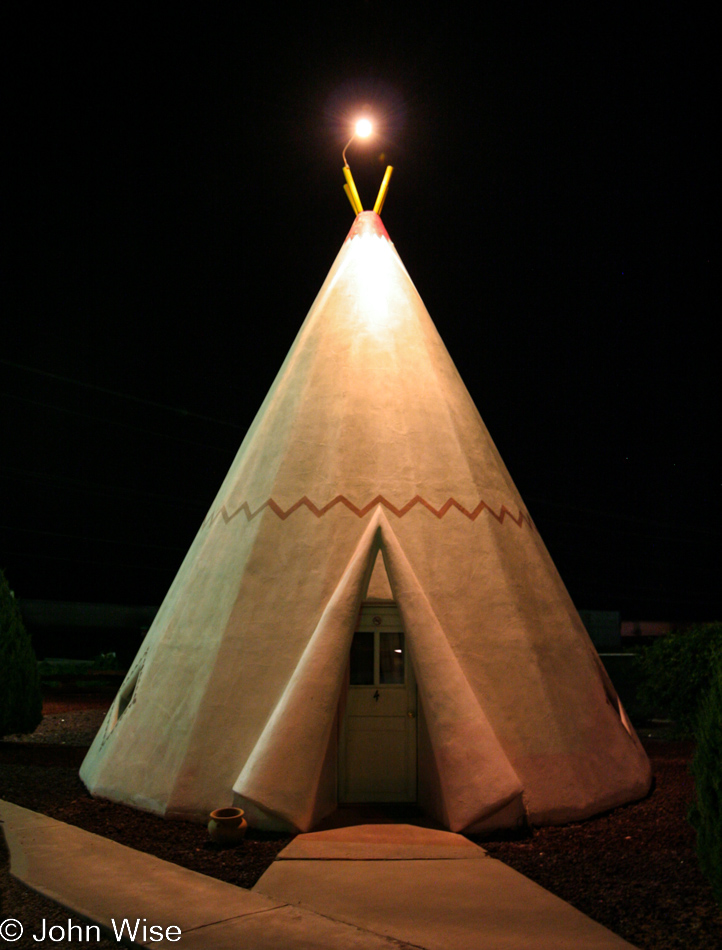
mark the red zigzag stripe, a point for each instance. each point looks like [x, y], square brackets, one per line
[360, 512]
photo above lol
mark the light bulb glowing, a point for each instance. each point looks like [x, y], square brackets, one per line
[363, 128]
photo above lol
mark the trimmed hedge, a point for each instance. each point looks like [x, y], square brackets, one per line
[676, 673]
[21, 701]
[706, 813]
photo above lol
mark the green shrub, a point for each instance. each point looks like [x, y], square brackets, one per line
[105, 661]
[59, 666]
[706, 812]
[21, 702]
[676, 673]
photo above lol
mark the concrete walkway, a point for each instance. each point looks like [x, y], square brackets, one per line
[369, 887]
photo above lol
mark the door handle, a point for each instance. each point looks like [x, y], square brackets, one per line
[411, 715]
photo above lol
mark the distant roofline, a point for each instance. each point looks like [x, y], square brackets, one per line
[61, 613]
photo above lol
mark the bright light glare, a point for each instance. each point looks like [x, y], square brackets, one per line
[379, 303]
[363, 128]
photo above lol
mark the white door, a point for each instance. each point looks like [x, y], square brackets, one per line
[377, 753]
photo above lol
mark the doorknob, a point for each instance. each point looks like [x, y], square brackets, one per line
[411, 715]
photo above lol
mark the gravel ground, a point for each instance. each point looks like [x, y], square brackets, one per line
[633, 869]
[66, 727]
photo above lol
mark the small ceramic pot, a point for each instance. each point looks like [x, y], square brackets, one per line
[227, 826]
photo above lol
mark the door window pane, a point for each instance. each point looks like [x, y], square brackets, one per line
[362, 658]
[391, 657]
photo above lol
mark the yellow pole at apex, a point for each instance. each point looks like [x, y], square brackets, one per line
[383, 189]
[351, 192]
[350, 198]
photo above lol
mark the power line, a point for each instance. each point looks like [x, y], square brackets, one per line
[115, 422]
[120, 395]
[669, 526]
[83, 537]
[96, 561]
[675, 535]
[84, 486]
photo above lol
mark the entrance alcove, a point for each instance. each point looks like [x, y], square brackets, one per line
[384, 739]
[384, 755]
[378, 729]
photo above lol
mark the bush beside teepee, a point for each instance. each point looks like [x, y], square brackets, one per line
[676, 673]
[21, 700]
[706, 813]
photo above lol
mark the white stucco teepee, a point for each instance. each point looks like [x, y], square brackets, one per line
[368, 480]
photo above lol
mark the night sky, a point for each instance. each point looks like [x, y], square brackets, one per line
[175, 202]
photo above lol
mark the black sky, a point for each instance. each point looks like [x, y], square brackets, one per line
[175, 203]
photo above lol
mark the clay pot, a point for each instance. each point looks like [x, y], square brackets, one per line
[227, 826]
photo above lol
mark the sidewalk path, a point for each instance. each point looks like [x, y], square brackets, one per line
[431, 888]
[101, 881]
[368, 887]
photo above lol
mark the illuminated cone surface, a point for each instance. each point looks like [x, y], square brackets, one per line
[367, 473]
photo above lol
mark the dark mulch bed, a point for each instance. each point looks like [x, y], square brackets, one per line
[633, 869]
[42, 774]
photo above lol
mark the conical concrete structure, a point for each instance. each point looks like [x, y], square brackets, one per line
[368, 480]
